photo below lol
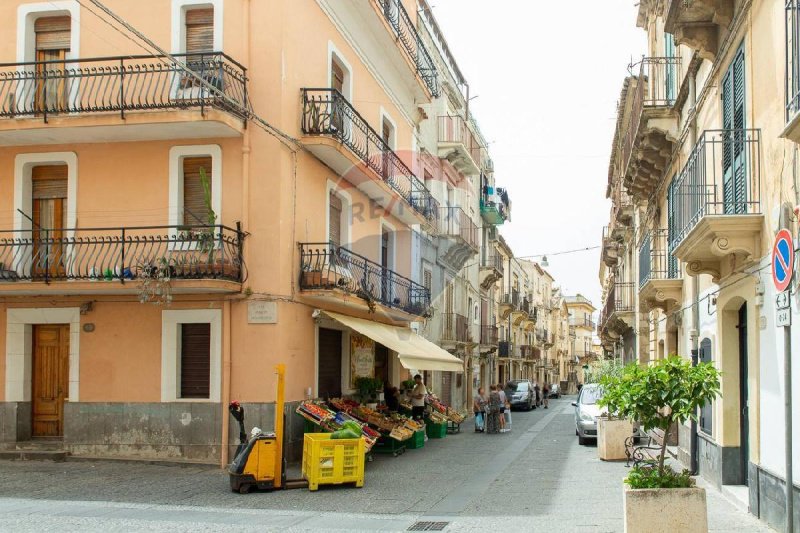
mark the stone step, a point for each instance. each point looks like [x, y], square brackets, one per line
[34, 455]
[44, 445]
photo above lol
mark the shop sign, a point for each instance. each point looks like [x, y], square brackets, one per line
[362, 357]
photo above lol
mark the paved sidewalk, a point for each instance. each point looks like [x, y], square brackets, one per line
[536, 478]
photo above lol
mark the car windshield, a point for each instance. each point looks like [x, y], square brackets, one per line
[590, 395]
[517, 386]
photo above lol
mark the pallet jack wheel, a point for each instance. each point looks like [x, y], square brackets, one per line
[244, 488]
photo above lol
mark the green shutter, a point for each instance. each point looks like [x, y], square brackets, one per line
[670, 88]
[734, 161]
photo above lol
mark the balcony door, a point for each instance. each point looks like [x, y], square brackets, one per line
[52, 45]
[386, 265]
[670, 76]
[49, 214]
[734, 147]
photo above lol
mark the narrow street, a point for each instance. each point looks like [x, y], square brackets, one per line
[536, 478]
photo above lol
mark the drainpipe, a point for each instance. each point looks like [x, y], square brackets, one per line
[226, 379]
[694, 332]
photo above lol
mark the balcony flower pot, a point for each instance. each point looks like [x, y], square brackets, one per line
[665, 510]
[611, 435]
[312, 278]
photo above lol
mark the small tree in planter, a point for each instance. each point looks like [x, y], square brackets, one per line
[671, 390]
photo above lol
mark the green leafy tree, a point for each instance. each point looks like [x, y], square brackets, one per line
[604, 367]
[671, 390]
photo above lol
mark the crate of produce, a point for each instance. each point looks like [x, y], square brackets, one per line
[329, 461]
[436, 430]
[416, 441]
[389, 445]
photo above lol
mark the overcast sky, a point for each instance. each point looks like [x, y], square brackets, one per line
[547, 75]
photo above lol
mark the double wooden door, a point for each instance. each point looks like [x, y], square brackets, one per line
[50, 378]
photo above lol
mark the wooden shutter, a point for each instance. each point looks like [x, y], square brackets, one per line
[337, 76]
[427, 277]
[52, 33]
[335, 219]
[734, 184]
[195, 210]
[195, 360]
[49, 181]
[706, 411]
[199, 30]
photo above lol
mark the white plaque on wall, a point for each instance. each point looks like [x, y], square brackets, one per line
[260, 312]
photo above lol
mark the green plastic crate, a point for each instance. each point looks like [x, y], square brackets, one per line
[435, 431]
[416, 441]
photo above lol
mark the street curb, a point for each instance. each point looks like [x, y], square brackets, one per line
[134, 460]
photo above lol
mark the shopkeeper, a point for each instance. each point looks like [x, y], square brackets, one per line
[391, 396]
[418, 395]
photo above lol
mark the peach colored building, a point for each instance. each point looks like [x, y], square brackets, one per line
[160, 252]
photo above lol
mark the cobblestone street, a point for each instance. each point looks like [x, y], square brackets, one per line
[535, 478]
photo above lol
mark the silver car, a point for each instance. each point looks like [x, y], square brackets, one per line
[587, 411]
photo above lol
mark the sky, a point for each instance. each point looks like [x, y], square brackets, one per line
[547, 76]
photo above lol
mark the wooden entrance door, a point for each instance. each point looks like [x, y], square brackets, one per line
[329, 384]
[49, 210]
[50, 378]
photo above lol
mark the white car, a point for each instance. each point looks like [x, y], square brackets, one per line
[587, 412]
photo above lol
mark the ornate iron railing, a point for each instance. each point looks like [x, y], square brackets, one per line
[619, 299]
[455, 222]
[405, 32]
[582, 322]
[122, 254]
[722, 176]
[120, 84]
[489, 335]
[325, 266]
[455, 327]
[656, 86]
[492, 259]
[792, 58]
[455, 130]
[655, 261]
[327, 112]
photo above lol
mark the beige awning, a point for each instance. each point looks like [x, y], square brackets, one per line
[414, 352]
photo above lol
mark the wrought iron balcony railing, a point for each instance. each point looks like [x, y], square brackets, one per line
[655, 262]
[455, 130]
[120, 84]
[122, 254]
[722, 176]
[792, 59]
[455, 327]
[489, 335]
[582, 322]
[619, 299]
[455, 222]
[327, 112]
[492, 259]
[657, 86]
[325, 266]
[411, 43]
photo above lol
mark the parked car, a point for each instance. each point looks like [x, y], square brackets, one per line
[519, 393]
[587, 412]
[555, 391]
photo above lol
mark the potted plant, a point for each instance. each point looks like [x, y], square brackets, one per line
[656, 497]
[368, 388]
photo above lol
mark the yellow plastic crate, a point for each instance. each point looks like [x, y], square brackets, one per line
[332, 462]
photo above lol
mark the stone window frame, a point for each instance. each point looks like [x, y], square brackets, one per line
[170, 348]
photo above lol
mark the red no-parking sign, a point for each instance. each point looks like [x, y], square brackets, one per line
[782, 260]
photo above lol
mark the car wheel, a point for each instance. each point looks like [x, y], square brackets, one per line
[582, 440]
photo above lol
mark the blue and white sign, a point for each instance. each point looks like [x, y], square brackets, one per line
[782, 260]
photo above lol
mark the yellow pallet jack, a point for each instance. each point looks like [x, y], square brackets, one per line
[259, 461]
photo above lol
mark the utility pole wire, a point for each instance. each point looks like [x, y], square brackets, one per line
[289, 141]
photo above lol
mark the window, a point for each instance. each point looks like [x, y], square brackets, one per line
[337, 76]
[195, 360]
[339, 72]
[792, 58]
[734, 149]
[199, 30]
[334, 219]
[707, 411]
[427, 277]
[196, 208]
[187, 201]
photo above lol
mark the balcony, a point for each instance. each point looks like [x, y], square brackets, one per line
[700, 24]
[495, 206]
[342, 139]
[458, 236]
[491, 267]
[610, 250]
[508, 303]
[525, 351]
[331, 274]
[520, 310]
[660, 279]
[141, 260]
[618, 315]
[652, 125]
[792, 20]
[455, 330]
[582, 322]
[132, 98]
[622, 207]
[459, 145]
[489, 336]
[718, 219]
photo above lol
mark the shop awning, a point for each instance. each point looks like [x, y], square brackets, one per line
[414, 351]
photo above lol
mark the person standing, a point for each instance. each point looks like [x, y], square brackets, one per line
[479, 410]
[503, 406]
[391, 396]
[493, 411]
[545, 394]
[418, 395]
[537, 398]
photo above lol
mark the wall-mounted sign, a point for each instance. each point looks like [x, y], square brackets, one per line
[261, 312]
[362, 357]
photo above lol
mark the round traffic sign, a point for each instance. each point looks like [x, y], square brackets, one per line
[782, 260]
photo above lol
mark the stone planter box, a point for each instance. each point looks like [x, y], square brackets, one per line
[665, 510]
[611, 435]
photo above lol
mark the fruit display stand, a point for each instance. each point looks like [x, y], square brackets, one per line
[435, 425]
[319, 417]
[417, 441]
[332, 462]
